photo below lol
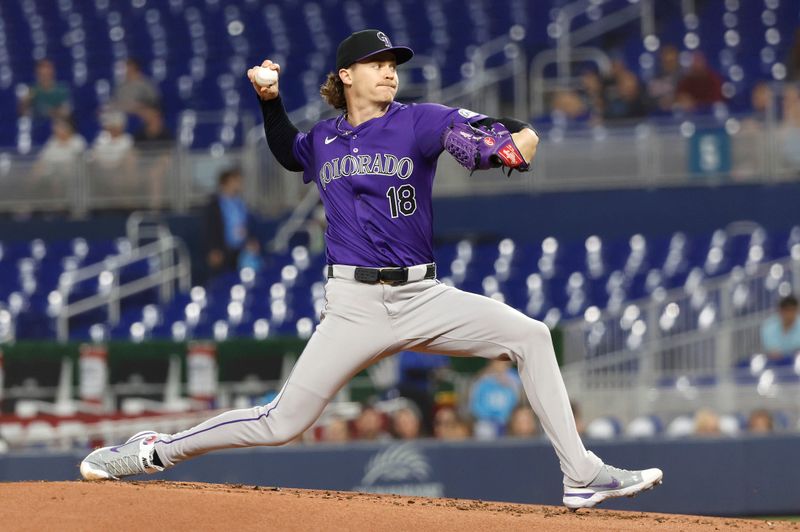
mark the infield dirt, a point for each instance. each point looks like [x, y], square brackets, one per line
[176, 506]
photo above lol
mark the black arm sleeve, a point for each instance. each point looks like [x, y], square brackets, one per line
[280, 133]
[512, 124]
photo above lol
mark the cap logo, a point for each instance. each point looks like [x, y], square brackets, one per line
[382, 37]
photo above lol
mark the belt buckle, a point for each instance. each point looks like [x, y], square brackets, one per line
[390, 282]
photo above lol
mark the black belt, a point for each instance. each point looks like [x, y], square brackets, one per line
[386, 275]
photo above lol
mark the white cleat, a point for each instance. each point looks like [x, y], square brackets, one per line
[609, 483]
[133, 457]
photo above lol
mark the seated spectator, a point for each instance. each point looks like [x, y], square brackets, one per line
[48, 98]
[406, 424]
[112, 145]
[576, 413]
[622, 95]
[760, 422]
[522, 423]
[493, 397]
[250, 257]
[592, 92]
[58, 161]
[706, 423]
[418, 377]
[700, 87]
[136, 92]
[780, 333]
[568, 108]
[790, 127]
[226, 223]
[112, 157]
[369, 425]
[153, 134]
[336, 430]
[447, 425]
[661, 89]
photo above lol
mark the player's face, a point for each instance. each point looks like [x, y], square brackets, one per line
[375, 79]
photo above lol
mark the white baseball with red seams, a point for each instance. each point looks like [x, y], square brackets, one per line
[265, 76]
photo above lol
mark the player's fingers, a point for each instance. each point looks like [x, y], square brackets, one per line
[266, 63]
[276, 67]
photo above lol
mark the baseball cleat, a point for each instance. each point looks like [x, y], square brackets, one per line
[609, 483]
[133, 457]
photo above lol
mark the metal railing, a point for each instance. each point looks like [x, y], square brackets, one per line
[680, 348]
[168, 262]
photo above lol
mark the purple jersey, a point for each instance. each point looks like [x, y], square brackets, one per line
[376, 182]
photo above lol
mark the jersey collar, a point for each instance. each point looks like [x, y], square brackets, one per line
[344, 128]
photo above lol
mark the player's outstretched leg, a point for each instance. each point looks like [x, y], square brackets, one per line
[354, 333]
[446, 320]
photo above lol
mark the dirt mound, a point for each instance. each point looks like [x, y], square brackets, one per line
[175, 505]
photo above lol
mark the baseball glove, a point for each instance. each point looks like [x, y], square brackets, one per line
[479, 148]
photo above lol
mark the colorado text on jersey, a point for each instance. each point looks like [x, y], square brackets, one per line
[384, 164]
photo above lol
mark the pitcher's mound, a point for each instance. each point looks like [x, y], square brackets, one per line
[183, 506]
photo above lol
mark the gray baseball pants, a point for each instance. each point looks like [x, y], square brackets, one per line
[363, 323]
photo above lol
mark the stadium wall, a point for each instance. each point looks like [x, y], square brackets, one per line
[707, 477]
[607, 213]
[617, 213]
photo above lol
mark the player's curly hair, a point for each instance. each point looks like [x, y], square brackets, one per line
[332, 91]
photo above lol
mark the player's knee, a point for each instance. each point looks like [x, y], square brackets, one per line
[538, 333]
[283, 434]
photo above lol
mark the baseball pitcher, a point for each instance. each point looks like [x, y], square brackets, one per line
[374, 166]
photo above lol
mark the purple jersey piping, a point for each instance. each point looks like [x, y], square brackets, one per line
[265, 414]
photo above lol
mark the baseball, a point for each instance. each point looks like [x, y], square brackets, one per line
[265, 76]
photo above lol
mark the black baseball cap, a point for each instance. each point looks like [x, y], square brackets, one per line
[362, 44]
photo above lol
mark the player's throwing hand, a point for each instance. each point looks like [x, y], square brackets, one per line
[269, 91]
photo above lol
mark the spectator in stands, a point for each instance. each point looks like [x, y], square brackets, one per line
[369, 425]
[793, 59]
[112, 145]
[568, 108]
[790, 127]
[780, 333]
[622, 94]
[661, 89]
[154, 142]
[592, 92]
[48, 98]
[418, 377]
[760, 422]
[250, 256]
[113, 158]
[700, 87]
[493, 397]
[760, 99]
[447, 425]
[136, 92]
[153, 134]
[406, 423]
[706, 423]
[576, 413]
[226, 223]
[522, 423]
[58, 160]
[336, 430]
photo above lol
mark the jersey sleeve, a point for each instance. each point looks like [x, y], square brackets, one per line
[304, 154]
[430, 121]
